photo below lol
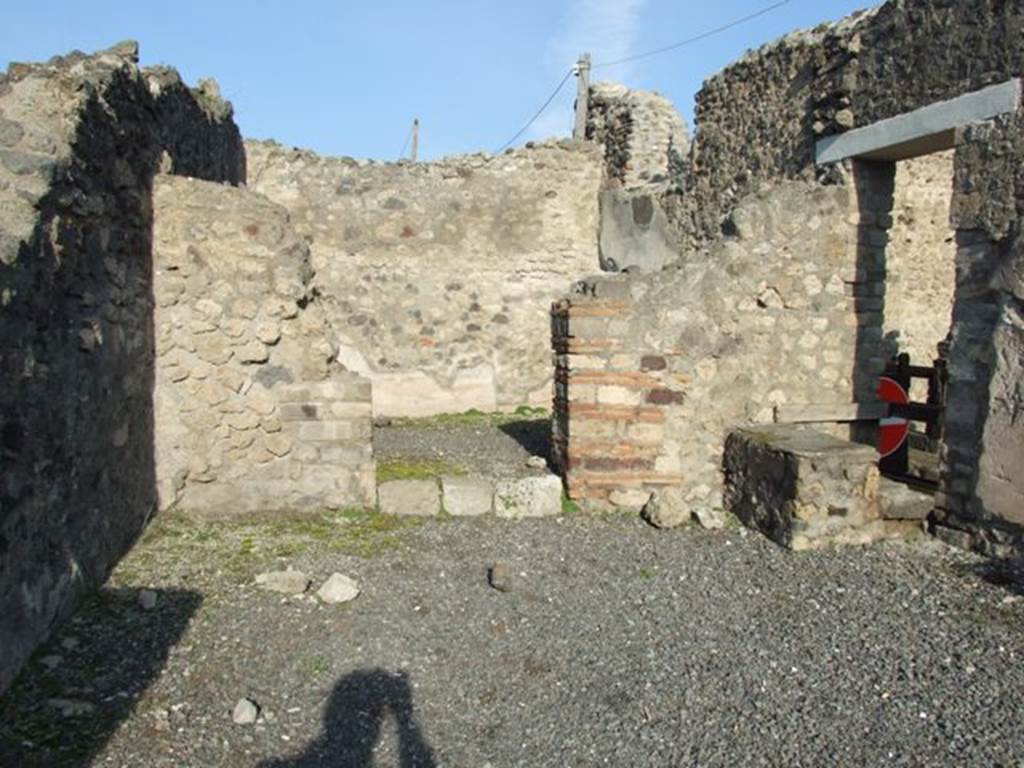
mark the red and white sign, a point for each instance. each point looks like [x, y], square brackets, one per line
[892, 431]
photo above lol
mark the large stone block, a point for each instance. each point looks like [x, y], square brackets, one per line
[529, 497]
[465, 496]
[802, 488]
[409, 497]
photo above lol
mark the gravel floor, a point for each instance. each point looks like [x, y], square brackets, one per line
[616, 645]
[491, 447]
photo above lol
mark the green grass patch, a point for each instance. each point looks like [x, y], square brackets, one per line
[415, 469]
[569, 507]
[372, 533]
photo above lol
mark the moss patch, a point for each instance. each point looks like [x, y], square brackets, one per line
[416, 469]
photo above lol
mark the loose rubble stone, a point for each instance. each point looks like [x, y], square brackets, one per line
[709, 518]
[528, 497]
[465, 496]
[536, 462]
[147, 599]
[286, 582]
[501, 577]
[666, 509]
[338, 589]
[245, 712]
[629, 499]
[409, 497]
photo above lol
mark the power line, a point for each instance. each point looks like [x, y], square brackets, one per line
[539, 111]
[655, 52]
[701, 36]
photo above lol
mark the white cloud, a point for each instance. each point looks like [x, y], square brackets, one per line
[607, 30]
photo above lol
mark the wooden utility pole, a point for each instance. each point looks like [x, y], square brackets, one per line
[579, 130]
[415, 137]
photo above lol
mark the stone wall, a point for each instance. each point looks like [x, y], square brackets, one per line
[759, 121]
[197, 128]
[251, 411]
[760, 117]
[437, 277]
[920, 257]
[645, 145]
[79, 144]
[982, 495]
[644, 138]
[768, 317]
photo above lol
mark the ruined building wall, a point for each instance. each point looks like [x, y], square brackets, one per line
[759, 118]
[437, 277]
[644, 138]
[920, 258]
[758, 122]
[251, 411]
[196, 128]
[79, 145]
[645, 143]
[655, 369]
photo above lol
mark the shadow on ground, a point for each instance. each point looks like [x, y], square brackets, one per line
[1008, 573]
[532, 434]
[83, 682]
[352, 725]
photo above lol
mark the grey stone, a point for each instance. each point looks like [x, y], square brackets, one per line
[246, 712]
[666, 509]
[52, 661]
[536, 462]
[147, 599]
[10, 132]
[409, 497]
[72, 707]
[709, 518]
[286, 582]
[24, 163]
[466, 496]
[338, 589]
[898, 501]
[501, 577]
[528, 497]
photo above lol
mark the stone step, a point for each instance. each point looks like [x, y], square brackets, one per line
[898, 501]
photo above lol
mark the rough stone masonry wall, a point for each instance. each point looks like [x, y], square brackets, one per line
[920, 258]
[79, 144]
[251, 411]
[981, 499]
[767, 317]
[758, 123]
[644, 138]
[437, 277]
[759, 118]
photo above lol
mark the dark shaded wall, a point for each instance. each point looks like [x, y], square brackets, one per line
[80, 142]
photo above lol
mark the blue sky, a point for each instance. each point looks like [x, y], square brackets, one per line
[347, 78]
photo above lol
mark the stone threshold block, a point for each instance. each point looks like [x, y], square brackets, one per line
[529, 497]
[466, 496]
[409, 497]
[802, 488]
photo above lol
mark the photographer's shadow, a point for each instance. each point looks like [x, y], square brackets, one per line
[352, 724]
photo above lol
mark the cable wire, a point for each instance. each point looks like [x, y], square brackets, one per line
[701, 36]
[655, 52]
[401, 155]
[544, 106]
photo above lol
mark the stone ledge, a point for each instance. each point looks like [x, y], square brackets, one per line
[801, 488]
